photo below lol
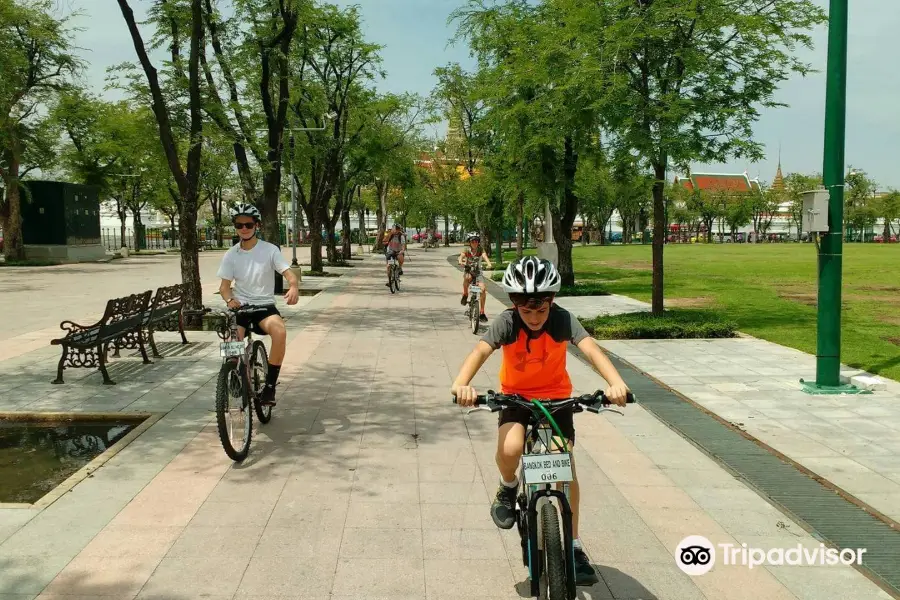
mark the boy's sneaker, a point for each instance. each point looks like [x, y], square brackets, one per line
[503, 510]
[463, 300]
[483, 318]
[584, 571]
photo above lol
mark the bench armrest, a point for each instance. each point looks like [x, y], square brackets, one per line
[72, 327]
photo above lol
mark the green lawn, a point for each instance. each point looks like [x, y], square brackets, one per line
[769, 290]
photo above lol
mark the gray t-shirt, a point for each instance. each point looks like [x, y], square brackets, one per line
[561, 326]
[253, 271]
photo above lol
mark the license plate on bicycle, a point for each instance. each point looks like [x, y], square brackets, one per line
[547, 468]
[227, 349]
[474, 290]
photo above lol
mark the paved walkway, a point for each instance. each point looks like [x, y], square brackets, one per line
[853, 441]
[368, 482]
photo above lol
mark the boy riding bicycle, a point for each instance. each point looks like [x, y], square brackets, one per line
[534, 335]
[249, 264]
[469, 258]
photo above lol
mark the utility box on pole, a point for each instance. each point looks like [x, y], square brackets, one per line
[815, 211]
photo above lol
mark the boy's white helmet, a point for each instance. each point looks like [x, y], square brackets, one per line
[531, 275]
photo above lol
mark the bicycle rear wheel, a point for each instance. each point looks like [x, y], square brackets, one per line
[259, 369]
[234, 416]
[554, 561]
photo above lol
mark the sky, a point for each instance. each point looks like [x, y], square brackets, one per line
[416, 39]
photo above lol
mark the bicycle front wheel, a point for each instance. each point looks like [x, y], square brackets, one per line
[234, 416]
[259, 369]
[554, 561]
[474, 314]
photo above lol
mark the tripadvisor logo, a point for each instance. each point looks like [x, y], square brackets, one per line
[696, 555]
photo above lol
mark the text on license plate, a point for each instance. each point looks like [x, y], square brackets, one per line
[547, 468]
[231, 348]
[474, 290]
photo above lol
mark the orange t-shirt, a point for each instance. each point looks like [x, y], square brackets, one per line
[534, 363]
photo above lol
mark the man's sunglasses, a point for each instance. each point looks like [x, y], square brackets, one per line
[244, 225]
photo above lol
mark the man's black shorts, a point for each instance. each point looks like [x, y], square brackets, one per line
[252, 319]
[564, 417]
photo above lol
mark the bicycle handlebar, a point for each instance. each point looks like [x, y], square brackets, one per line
[497, 401]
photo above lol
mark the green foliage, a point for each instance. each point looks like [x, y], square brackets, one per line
[35, 62]
[860, 207]
[794, 186]
[587, 288]
[671, 324]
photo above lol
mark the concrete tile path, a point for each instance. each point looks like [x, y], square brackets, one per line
[368, 482]
[853, 441]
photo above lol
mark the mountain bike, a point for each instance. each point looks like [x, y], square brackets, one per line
[394, 274]
[549, 556]
[240, 383]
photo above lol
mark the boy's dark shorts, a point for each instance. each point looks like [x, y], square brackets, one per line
[565, 418]
[253, 319]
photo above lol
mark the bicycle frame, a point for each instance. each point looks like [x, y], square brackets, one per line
[540, 436]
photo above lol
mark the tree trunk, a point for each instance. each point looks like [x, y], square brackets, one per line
[520, 229]
[123, 214]
[13, 245]
[136, 220]
[562, 222]
[315, 240]
[659, 233]
[381, 214]
[172, 231]
[346, 250]
[363, 235]
[446, 230]
[268, 208]
[190, 262]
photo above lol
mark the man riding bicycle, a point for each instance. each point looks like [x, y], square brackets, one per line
[534, 336]
[469, 258]
[395, 247]
[249, 264]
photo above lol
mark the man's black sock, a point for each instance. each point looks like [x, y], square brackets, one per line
[272, 375]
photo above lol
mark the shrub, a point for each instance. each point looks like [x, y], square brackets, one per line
[672, 324]
[584, 289]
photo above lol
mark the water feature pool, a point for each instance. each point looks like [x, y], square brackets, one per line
[37, 455]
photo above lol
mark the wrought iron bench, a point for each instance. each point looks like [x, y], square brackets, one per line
[87, 346]
[164, 314]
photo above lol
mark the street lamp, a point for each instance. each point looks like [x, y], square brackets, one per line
[294, 264]
[828, 346]
[325, 118]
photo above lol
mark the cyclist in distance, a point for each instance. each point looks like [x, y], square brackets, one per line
[396, 247]
[468, 258]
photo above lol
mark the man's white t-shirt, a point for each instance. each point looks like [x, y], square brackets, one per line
[253, 271]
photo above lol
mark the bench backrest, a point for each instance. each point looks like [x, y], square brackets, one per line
[124, 314]
[167, 301]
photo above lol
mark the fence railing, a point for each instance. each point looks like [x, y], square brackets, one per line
[154, 238]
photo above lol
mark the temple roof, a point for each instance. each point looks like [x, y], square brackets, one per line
[718, 182]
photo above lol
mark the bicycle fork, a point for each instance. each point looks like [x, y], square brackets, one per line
[538, 497]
